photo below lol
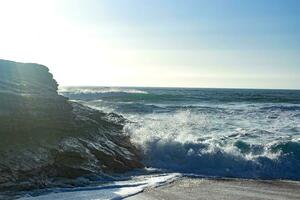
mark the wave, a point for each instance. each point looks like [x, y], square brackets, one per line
[189, 143]
[95, 90]
[281, 108]
[98, 93]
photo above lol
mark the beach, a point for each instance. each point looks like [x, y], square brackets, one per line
[149, 99]
[226, 189]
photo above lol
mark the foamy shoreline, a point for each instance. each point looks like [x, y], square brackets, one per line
[178, 186]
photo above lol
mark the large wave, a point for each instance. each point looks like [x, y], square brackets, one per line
[190, 143]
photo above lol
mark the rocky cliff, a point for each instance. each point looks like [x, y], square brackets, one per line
[44, 137]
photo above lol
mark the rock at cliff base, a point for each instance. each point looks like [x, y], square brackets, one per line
[45, 137]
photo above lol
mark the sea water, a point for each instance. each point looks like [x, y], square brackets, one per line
[242, 133]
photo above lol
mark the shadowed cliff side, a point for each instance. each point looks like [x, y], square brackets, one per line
[45, 137]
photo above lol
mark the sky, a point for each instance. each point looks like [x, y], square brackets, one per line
[157, 43]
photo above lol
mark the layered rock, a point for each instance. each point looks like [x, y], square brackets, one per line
[44, 137]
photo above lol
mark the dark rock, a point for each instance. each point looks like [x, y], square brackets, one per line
[45, 137]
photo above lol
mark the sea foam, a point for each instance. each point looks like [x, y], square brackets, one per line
[115, 190]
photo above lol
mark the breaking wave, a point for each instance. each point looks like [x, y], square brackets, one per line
[88, 90]
[192, 143]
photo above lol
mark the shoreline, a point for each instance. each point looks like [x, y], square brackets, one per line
[178, 186]
[190, 188]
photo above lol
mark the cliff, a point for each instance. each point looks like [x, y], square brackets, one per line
[45, 137]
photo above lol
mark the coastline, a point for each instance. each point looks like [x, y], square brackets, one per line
[227, 189]
[178, 186]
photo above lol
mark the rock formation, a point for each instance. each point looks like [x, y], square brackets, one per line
[44, 137]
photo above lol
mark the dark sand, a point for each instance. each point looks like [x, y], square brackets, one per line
[225, 189]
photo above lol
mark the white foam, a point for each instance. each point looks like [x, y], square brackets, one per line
[115, 190]
[91, 90]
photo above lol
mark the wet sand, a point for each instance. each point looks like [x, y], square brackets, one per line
[225, 189]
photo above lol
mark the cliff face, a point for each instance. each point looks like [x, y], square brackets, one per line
[45, 137]
[30, 107]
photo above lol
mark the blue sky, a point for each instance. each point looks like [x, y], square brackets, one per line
[180, 43]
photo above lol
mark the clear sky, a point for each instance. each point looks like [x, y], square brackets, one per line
[181, 43]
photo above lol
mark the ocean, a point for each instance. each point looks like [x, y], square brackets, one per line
[199, 133]
[241, 133]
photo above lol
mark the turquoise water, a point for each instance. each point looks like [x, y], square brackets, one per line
[215, 132]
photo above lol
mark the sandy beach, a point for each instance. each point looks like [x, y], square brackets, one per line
[226, 189]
